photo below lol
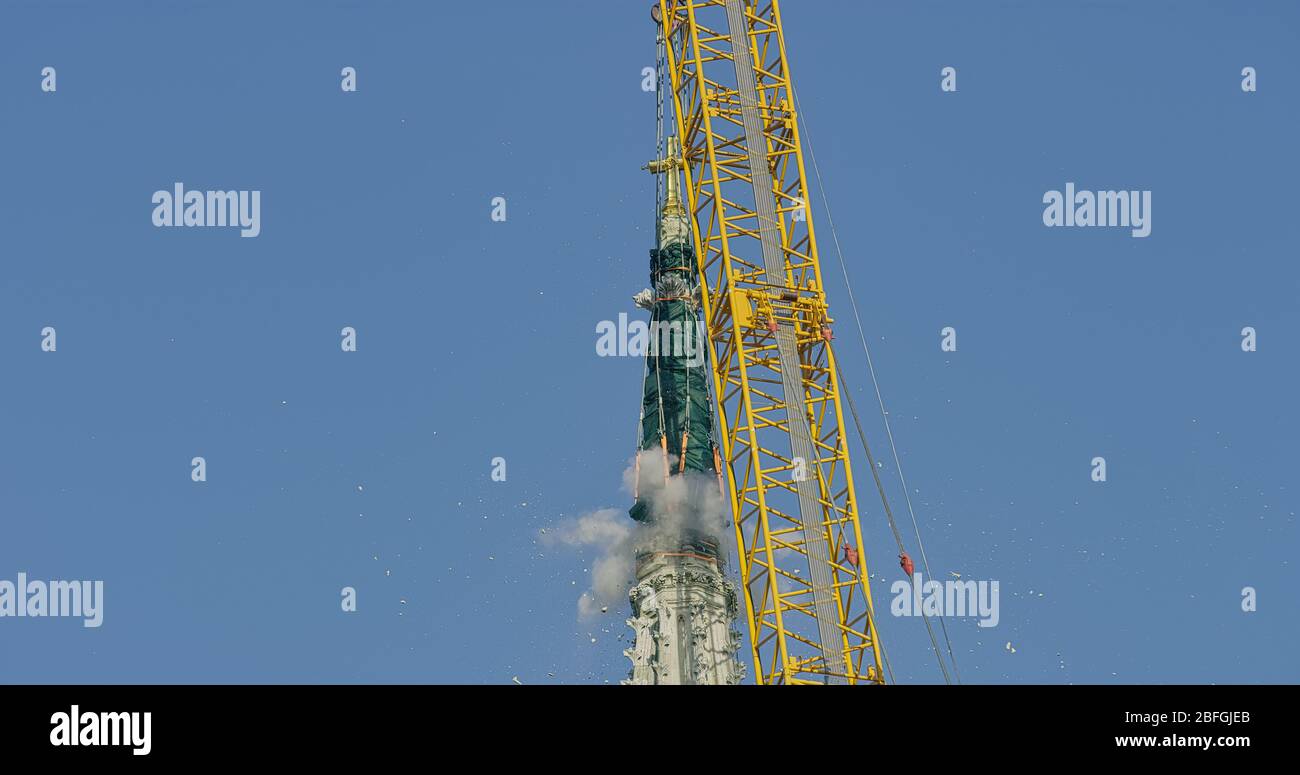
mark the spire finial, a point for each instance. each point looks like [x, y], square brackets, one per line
[672, 218]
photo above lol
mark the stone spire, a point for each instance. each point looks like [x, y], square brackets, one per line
[683, 607]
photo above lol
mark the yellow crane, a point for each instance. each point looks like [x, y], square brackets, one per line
[802, 561]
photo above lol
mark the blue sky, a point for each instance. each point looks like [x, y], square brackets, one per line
[476, 339]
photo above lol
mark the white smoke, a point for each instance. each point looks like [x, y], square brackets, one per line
[609, 532]
[680, 501]
[686, 501]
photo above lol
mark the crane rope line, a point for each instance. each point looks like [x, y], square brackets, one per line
[898, 465]
[871, 461]
[660, 150]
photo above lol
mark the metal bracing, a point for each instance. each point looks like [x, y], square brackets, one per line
[809, 610]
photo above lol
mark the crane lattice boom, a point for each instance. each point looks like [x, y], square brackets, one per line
[801, 557]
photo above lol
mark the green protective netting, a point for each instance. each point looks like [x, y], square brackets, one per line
[678, 375]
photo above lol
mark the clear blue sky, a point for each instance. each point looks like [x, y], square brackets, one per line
[476, 339]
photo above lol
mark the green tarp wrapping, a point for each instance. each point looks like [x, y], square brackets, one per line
[677, 376]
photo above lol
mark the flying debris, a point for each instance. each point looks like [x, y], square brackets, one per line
[730, 199]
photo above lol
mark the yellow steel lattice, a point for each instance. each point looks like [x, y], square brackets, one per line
[791, 536]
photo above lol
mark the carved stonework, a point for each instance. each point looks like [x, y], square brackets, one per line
[683, 616]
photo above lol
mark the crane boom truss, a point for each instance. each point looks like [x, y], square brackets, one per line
[783, 437]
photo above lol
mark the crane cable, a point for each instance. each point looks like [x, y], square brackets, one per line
[660, 150]
[925, 562]
[871, 611]
[871, 461]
